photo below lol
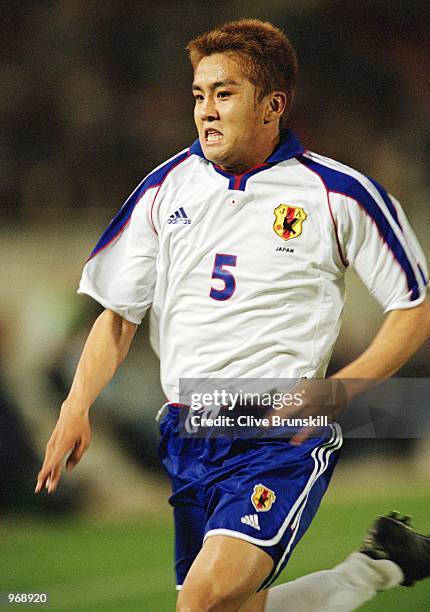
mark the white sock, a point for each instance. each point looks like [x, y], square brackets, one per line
[341, 589]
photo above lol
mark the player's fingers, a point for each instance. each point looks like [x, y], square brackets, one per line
[43, 475]
[53, 458]
[283, 412]
[303, 434]
[76, 455]
[53, 478]
[40, 483]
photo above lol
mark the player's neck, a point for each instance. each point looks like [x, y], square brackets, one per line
[257, 157]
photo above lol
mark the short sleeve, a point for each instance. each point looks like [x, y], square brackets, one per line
[120, 273]
[379, 243]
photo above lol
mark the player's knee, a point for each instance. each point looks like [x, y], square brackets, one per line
[207, 597]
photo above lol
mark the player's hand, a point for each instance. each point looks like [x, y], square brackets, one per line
[319, 398]
[71, 434]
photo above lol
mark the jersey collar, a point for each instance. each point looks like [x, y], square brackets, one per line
[288, 146]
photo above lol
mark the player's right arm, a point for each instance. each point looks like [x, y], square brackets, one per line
[120, 274]
[105, 349]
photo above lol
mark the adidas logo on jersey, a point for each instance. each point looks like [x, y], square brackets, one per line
[251, 520]
[179, 216]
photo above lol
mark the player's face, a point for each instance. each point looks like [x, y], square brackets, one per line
[229, 119]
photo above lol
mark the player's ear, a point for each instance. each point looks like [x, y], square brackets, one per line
[275, 107]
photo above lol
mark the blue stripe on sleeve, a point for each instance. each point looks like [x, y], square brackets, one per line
[122, 217]
[347, 185]
[384, 195]
[423, 276]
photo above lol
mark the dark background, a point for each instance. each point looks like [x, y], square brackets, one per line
[95, 94]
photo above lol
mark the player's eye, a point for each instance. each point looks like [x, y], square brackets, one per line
[198, 97]
[224, 94]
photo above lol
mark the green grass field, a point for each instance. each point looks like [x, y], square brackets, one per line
[127, 566]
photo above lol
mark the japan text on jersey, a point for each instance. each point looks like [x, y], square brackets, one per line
[245, 273]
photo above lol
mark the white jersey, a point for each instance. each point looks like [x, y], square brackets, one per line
[245, 274]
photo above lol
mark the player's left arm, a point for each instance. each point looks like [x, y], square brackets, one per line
[381, 246]
[378, 242]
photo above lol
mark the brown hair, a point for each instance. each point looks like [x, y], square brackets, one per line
[264, 53]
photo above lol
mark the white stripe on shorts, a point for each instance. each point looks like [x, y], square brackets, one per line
[296, 523]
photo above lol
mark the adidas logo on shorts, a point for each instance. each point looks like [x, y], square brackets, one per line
[179, 216]
[251, 520]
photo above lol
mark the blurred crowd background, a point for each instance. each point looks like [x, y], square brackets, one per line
[93, 95]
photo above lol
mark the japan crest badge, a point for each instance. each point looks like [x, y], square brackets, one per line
[288, 221]
[262, 498]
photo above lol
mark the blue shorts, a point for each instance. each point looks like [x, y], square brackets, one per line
[264, 491]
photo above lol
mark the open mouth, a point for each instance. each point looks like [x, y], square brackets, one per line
[212, 136]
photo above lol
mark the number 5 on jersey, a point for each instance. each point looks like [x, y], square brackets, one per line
[221, 261]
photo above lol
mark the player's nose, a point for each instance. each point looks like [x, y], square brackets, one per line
[208, 110]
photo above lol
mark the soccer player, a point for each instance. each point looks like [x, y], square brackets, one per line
[239, 244]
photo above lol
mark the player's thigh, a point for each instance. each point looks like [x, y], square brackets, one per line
[226, 573]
